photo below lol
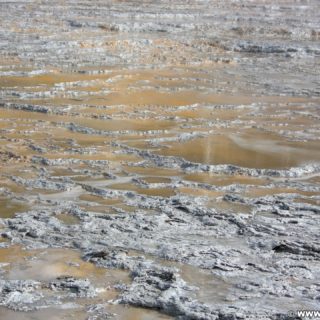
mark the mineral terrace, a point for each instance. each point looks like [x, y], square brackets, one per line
[159, 159]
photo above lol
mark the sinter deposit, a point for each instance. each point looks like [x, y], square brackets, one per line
[159, 159]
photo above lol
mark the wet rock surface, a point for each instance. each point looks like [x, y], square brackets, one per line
[159, 160]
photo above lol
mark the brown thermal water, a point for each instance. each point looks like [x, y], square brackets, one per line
[159, 159]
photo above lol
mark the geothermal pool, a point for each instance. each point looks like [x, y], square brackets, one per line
[159, 159]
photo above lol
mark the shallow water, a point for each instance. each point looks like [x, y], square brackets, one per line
[10, 207]
[146, 127]
[252, 150]
[46, 265]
